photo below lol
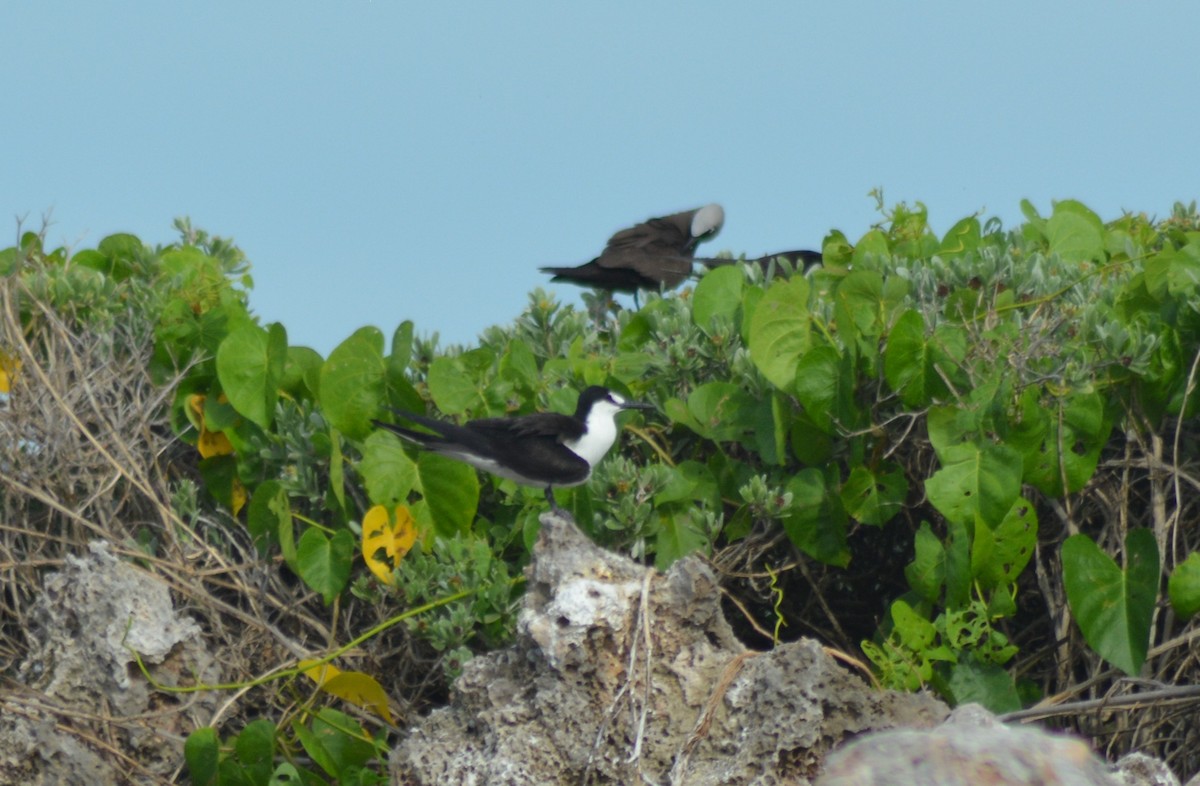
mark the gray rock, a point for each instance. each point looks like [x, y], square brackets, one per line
[79, 669]
[973, 747]
[623, 675]
[1138, 769]
[90, 616]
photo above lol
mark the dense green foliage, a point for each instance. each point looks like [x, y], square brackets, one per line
[961, 392]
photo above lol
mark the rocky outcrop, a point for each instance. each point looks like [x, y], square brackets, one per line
[624, 675]
[79, 683]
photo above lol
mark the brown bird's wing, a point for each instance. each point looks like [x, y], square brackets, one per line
[658, 249]
[666, 268]
[666, 236]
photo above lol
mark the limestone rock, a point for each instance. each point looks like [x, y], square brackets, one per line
[622, 675]
[970, 749]
[79, 681]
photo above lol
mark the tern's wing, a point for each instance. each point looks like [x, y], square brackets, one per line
[540, 424]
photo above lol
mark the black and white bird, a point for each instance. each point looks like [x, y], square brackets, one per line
[656, 253]
[544, 450]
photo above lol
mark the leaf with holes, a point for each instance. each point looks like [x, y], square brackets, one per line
[998, 555]
[874, 497]
[976, 481]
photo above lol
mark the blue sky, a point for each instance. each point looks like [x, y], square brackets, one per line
[382, 161]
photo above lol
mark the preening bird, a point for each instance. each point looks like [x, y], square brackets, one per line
[656, 253]
[545, 450]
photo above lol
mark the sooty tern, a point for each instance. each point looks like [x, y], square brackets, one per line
[656, 253]
[545, 449]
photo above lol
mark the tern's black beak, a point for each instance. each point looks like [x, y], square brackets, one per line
[638, 405]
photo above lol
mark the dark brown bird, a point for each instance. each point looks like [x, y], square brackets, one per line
[656, 253]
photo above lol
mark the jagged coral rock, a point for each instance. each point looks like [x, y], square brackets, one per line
[622, 674]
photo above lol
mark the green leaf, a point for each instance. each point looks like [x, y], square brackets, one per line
[718, 408]
[927, 572]
[679, 413]
[314, 746]
[874, 498]
[220, 479]
[750, 299]
[343, 740]
[337, 468]
[780, 331]
[917, 368]
[121, 253]
[219, 416]
[286, 774]
[999, 555]
[1076, 422]
[250, 364]
[324, 563]
[914, 631]
[773, 440]
[1031, 213]
[717, 298]
[962, 238]
[8, 261]
[871, 250]
[1184, 586]
[1171, 274]
[202, 752]
[958, 565]
[402, 345]
[976, 481]
[1075, 232]
[456, 383]
[836, 249]
[984, 683]
[906, 363]
[268, 514]
[255, 747]
[816, 522]
[677, 537]
[302, 365]
[690, 482]
[825, 386]
[1113, 607]
[387, 471]
[451, 492]
[948, 426]
[352, 386]
[636, 332]
[859, 304]
[810, 444]
[519, 365]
